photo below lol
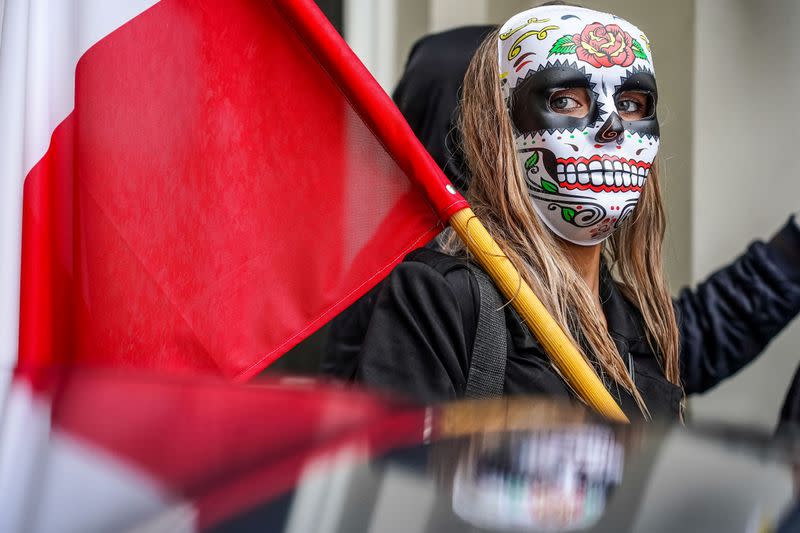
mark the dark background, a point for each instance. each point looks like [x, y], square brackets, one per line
[334, 11]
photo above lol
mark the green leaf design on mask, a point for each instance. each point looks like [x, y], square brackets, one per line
[563, 46]
[532, 160]
[549, 186]
[638, 51]
[567, 213]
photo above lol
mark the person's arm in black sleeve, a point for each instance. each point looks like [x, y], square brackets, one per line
[731, 317]
[416, 343]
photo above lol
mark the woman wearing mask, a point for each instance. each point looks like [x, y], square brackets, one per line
[560, 133]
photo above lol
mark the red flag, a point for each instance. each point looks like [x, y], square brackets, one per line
[117, 451]
[229, 179]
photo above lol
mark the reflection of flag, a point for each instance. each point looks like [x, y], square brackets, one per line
[228, 178]
[102, 451]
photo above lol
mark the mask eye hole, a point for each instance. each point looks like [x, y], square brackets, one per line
[635, 105]
[573, 102]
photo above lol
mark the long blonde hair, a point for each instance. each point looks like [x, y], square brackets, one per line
[499, 197]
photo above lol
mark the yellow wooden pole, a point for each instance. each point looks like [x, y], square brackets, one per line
[565, 356]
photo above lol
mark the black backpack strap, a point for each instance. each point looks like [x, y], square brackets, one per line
[487, 368]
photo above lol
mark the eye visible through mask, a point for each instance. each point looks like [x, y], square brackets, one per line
[635, 105]
[573, 102]
[551, 96]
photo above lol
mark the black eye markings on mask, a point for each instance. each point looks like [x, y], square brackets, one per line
[641, 79]
[638, 77]
[528, 103]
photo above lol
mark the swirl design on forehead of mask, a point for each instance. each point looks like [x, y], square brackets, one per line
[599, 40]
[645, 40]
[541, 34]
[506, 35]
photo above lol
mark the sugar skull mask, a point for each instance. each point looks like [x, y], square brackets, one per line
[581, 92]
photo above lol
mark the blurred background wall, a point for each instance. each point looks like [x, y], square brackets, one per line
[745, 178]
[728, 71]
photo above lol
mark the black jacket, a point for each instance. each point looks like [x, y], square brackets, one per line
[420, 336]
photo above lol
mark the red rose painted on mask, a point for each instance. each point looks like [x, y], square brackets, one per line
[604, 46]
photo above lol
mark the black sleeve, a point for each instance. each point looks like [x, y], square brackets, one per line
[418, 341]
[731, 317]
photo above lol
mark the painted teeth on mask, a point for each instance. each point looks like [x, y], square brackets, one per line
[598, 173]
[617, 173]
[583, 173]
[596, 168]
[609, 172]
[571, 176]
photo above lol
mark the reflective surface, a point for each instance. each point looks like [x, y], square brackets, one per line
[94, 451]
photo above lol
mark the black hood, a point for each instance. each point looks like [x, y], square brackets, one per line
[429, 91]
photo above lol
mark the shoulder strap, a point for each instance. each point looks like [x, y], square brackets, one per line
[487, 368]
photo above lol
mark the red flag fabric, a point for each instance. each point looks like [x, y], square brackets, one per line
[229, 179]
[94, 450]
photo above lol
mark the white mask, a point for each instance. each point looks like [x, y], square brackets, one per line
[584, 174]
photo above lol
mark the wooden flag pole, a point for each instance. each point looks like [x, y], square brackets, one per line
[565, 356]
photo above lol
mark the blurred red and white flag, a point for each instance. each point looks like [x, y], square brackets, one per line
[96, 451]
[40, 45]
[200, 184]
